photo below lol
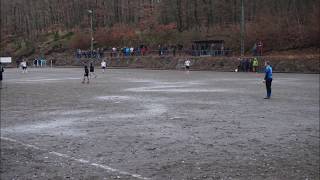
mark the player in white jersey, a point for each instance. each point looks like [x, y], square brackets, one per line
[103, 65]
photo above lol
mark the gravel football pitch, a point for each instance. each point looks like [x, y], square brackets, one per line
[161, 125]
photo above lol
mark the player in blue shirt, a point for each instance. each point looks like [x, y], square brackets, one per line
[268, 79]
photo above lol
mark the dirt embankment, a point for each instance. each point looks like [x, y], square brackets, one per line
[281, 63]
[297, 63]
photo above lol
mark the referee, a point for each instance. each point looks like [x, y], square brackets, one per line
[268, 79]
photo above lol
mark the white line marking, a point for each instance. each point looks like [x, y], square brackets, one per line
[40, 80]
[57, 79]
[104, 167]
[107, 168]
[58, 127]
[26, 145]
[60, 155]
[83, 161]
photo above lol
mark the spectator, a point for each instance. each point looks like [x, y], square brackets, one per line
[114, 52]
[202, 52]
[250, 65]
[98, 53]
[131, 51]
[247, 65]
[143, 50]
[35, 62]
[222, 50]
[127, 51]
[138, 51]
[94, 54]
[79, 52]
[255, 64]
[243, 65]
[239, 65]
[122, 51]
[174, 48]
[166, 51]
[160, 50]
[83, 53]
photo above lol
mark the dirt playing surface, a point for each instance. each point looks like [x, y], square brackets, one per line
[162, 125]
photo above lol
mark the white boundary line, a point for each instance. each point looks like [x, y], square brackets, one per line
[105, 167]
[41, 80]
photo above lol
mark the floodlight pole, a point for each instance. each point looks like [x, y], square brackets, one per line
[91, 23]
[242, 28]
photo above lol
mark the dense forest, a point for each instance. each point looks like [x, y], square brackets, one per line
[280, 24]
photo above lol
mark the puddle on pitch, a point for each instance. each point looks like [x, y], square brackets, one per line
[114, 98]
[175, 89]
[72, 112]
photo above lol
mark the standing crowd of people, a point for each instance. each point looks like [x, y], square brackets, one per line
[248, 65]
[126, 51]
[129, 51]
[96, 53]
[39, 62]
[112, 52]
[165, 50]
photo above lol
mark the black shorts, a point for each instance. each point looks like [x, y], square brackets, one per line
[103, 67]
[24, 68]
[86, 74]
[187, 67]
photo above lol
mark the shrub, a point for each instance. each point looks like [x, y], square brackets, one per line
[80, 41]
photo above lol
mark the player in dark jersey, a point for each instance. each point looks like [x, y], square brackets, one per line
[92, 71]
[86, 74]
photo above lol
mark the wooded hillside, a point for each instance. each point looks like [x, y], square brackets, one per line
[280, 24]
